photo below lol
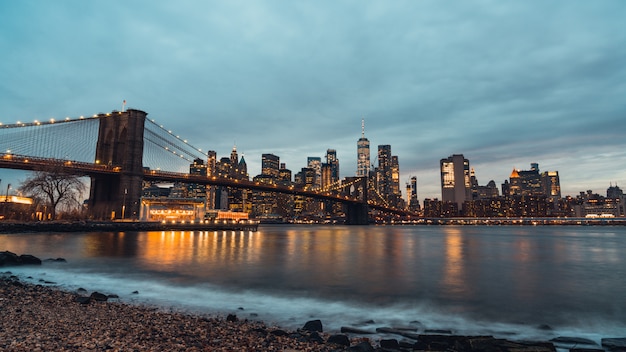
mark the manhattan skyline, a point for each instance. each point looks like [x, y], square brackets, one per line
[505, 85]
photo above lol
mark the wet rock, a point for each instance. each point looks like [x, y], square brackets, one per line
[56, 260]
[9, 258]
[100, 297]
[573, 340]
[351, 330]
[113, 296]
[614, 344]
[231, 318]
[391, 344]
[279, 332]
[339, 339]
[362, 347]
[135, 292]
[395, 331]
[82, 299]
[316, 337]
[438, 331]
[313, 325]
[28, 259]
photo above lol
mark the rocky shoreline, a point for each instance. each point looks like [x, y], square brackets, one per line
[42, 317]
[107, 226]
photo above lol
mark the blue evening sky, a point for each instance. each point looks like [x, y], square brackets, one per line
[506, 83]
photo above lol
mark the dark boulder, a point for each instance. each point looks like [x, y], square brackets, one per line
[339, 339]
[82, 299]
[279, 332]
[28, 259]
[9, 258]
[438, 331]
[231, 318]
[568, 340]
[316, 337]
[614, 344]
[56, 260]
[100, 297]
[391, 344]
[350, 330]
[313, 325]
[362, 347]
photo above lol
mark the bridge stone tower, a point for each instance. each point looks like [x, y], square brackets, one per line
[120, 145]
[358, 214]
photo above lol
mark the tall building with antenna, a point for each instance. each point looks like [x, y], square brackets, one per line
[363, 154]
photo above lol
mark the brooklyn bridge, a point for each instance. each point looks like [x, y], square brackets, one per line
[120, 150]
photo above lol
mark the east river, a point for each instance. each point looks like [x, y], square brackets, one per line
[507, 281]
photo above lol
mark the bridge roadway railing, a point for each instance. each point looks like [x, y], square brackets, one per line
[24, 162]
[157, 175]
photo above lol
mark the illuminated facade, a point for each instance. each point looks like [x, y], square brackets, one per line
[270, 165]
[315, 163]
[211, 169]
[384, 181]
[550, 185]
[333, 165]
[363, 154]
[455, 180]
[411, 195]
[196, 190]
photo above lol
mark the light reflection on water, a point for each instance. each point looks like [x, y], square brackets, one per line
[511, 274]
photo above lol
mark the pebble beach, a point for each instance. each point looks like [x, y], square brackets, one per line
[42, 318]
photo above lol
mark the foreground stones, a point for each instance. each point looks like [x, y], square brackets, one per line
[40, 318]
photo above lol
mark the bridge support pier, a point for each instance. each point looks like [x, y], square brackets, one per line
[357, 214]
[120, 145]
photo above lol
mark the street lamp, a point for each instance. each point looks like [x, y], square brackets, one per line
[124, 204]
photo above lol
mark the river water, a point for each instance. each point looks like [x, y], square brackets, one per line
[507, 281]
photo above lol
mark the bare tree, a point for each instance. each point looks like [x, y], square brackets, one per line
[57, 188]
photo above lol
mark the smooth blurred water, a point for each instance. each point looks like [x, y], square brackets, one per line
[498, 280]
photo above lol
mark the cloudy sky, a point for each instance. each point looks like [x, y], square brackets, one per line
[505, 83]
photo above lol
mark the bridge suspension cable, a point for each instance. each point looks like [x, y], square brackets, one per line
[69, 139]
[164, 150]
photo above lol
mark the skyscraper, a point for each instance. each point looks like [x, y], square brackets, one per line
[315, 163]
[384, 175]
[411, 194]
[333, 162]
[551, 185]
[363, 154]
[197, 168]
[211, 168]
[455, 180]
[270, 165]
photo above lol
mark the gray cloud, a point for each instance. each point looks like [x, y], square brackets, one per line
[505, 84]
